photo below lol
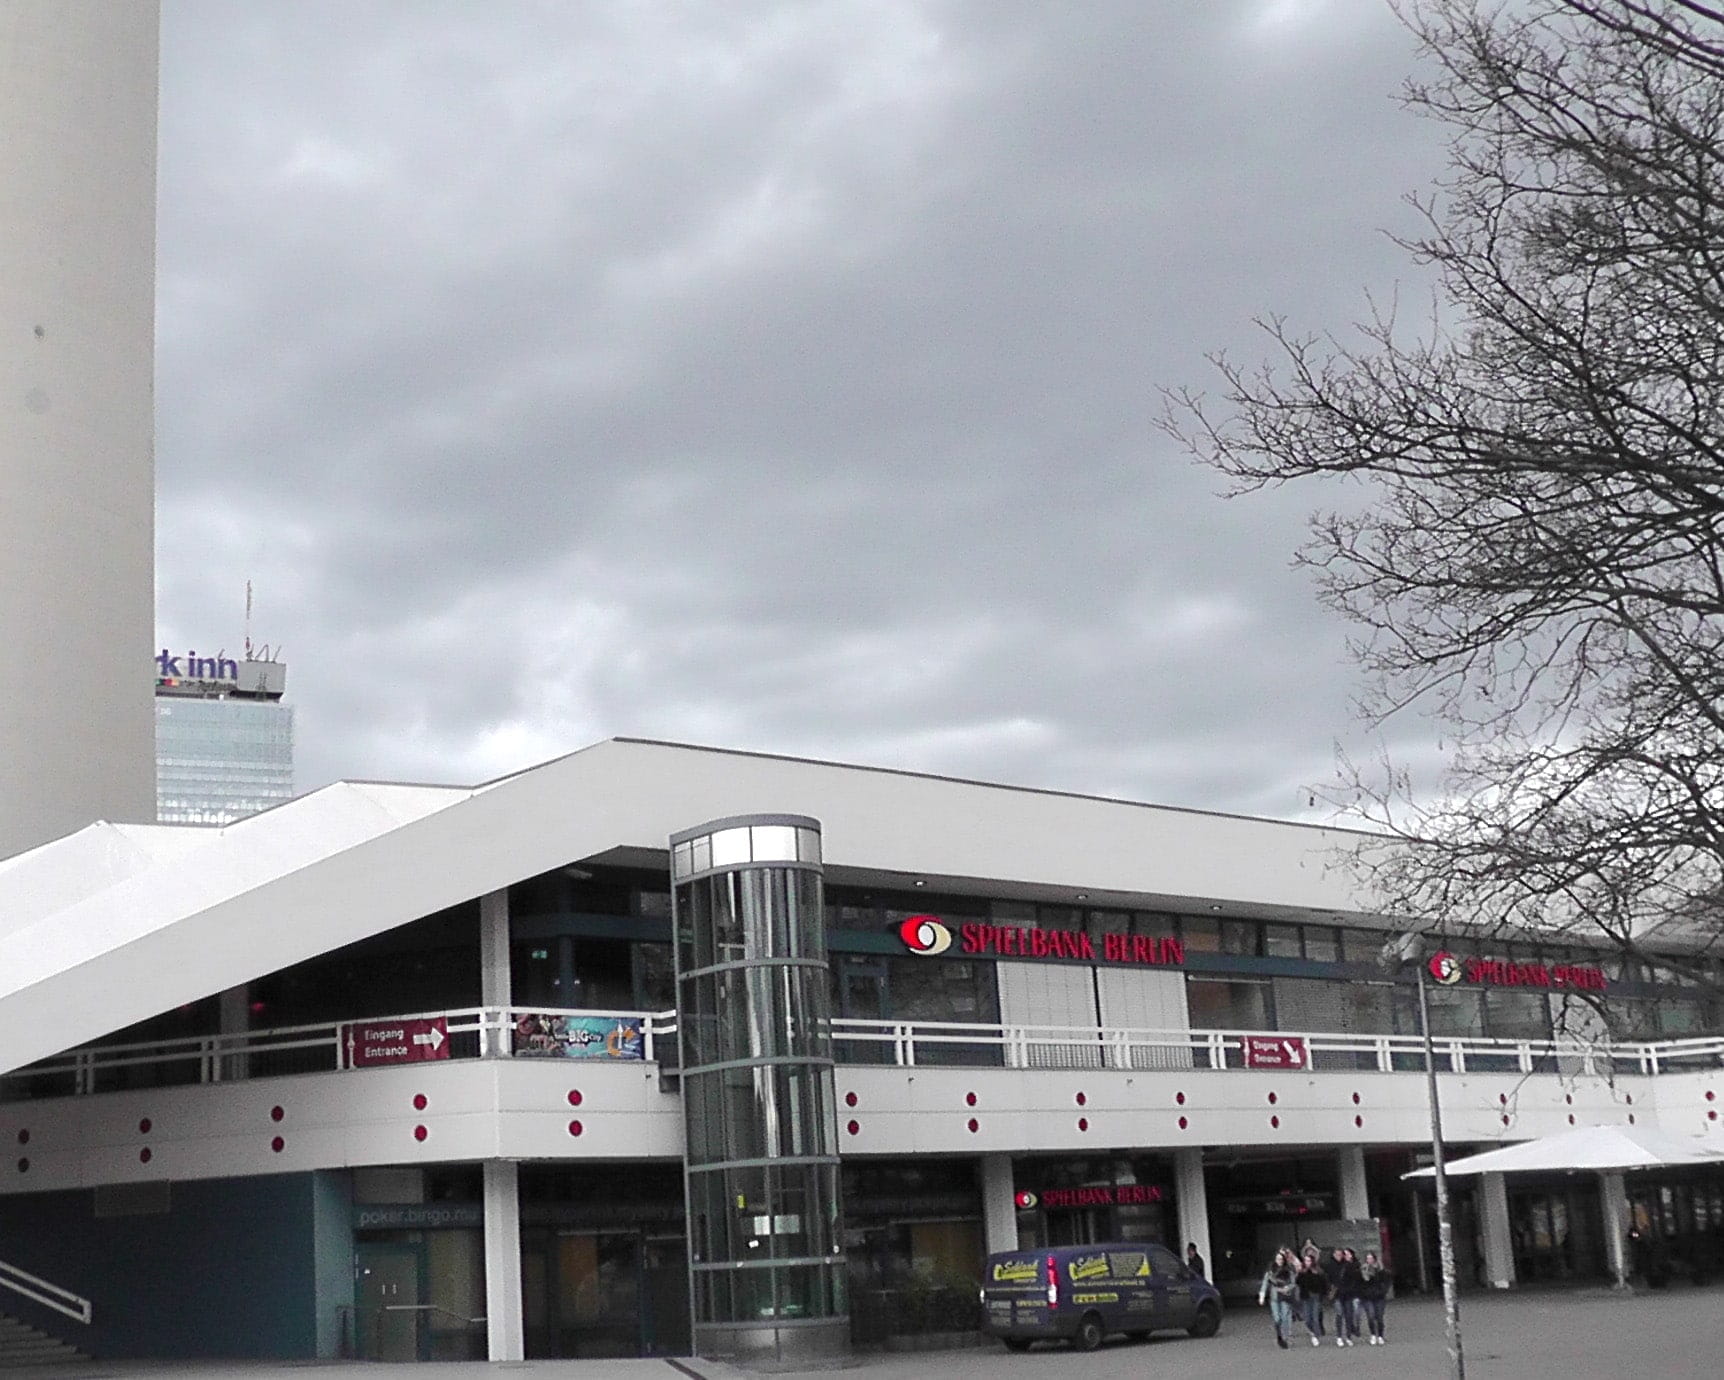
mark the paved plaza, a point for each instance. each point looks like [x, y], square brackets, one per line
[1673, 1335]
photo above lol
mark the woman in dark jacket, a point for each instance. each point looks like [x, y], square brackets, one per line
[1313, 1287]
[1374, 1295]
[1349, 1285]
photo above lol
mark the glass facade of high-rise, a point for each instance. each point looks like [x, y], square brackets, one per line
[219, 759]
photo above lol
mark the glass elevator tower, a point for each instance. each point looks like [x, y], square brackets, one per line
[765, 1234]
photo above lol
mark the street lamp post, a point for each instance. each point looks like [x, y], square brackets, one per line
[1398, 952]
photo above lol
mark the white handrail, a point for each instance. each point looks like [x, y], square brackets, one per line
[40, 1291]
[907, 1044]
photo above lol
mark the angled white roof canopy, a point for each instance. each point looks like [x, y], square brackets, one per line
[1598, 1149]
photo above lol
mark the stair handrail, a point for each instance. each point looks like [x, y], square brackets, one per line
[41, 1291]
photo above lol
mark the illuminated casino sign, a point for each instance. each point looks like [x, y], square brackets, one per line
[1093, 1195]
[925, 934]
[1449, 969]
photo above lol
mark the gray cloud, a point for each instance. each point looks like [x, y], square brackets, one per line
[773, 375]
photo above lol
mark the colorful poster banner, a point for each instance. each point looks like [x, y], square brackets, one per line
[580, 1037]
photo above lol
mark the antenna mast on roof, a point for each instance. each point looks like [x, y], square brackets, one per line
[248, 620]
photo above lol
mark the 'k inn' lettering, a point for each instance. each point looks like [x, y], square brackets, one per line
[191, 666]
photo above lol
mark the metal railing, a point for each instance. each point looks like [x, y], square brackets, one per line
[649, 1037]
[39, 1290]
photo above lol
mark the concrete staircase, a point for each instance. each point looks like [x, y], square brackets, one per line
[23, 1346]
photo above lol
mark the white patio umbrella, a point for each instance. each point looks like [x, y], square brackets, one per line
[1603, 1150]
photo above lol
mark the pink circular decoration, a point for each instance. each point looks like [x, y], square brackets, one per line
[1712, 1115]
[278, 1145]
[1502, 1099]
[144, 1127]
[575, 1098]
[421, 1132]
[1571, 1118]
[1710, 1095]
[1083, 1123]
[24, 1165]
[24, 1136]
[1082, 1100]
[277, 1113]
[1505, 1118]
[969, 1099]
[1355, 1099]
[1183, 1123]
[575, 1128]
[1631, 1118]
[1179, 1098]
[144, 1156]
[975, 1125]
[850, 1099]
[1358, 1121]
[1273, 1099]
[1275, 1122]
[420, 1102]
[1628, 1098]
[853, 1127]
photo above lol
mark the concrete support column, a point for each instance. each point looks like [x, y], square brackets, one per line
[504, 1332]
[1494, 1224]
[1193, 1195]
[999, 1204]
[496, 982]
[1613, 1200]
[1355, 1195]
[233, 1015]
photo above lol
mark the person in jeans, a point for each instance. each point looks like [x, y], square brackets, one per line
[1374, 1296]
[1313, 1287]
[1279, 1287]
[1349, 1284]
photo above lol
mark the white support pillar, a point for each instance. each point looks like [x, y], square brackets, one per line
[233, 1012]
[999, 1204]
[1613, 1200]
[1355, 1195]
[1193, 1195]
[504, 1332]
[1494, 1224]
[496, 983]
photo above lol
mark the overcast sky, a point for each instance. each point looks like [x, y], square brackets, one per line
[768, 375]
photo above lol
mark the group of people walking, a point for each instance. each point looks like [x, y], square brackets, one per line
[1354, 1293]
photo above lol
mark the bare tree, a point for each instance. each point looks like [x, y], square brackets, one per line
[1536, 557]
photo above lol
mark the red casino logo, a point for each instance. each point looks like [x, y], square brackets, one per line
[923, 934]
[1025, 1201]
[1445, 968]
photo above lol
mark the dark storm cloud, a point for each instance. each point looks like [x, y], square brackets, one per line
[776, 376]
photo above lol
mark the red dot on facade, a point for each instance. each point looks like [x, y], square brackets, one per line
[1082, 1100]
[853, 1127]
[144, 1155]
[1502, 1098]
[1710, 1095]
[1712, 1115]
[1275, 1122]
[1571, 1118]
[144, 1127]
[420, 1132]
[575, 1097]
[278, 1145]
[420, 1102]
[1358, 1121]
[1183, 1123]
[575, 1128]
[1083, 1123]
[24, 1137]
[1355, 1099]
[850, 1099]
[277, 1113]
[1273, 1099]
[1505, 1119]
[975, 1125]
[1628, 1098]
[1179, 1098]
[1569, 1098]
[1631, 1118]
[969, 1099]
[24, 1165]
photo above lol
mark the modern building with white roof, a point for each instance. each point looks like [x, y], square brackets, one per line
[525, 1069]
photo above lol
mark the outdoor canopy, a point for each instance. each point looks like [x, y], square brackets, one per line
[1600, 1149]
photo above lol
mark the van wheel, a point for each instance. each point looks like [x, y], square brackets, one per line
[1208, 1321]
[1089, 1334]
[1016, 1343]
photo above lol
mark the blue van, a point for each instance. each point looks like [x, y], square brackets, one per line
[1081, 1294]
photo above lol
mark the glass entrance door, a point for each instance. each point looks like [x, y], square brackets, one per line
[603, 1293]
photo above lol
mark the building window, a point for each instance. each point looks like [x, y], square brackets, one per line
[1227, 1004]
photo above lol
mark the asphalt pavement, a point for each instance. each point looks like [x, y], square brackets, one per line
[1676, 1334]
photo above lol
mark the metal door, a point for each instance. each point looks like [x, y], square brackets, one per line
[388, 1301]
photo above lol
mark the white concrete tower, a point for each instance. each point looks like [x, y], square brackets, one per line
[78, 85]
